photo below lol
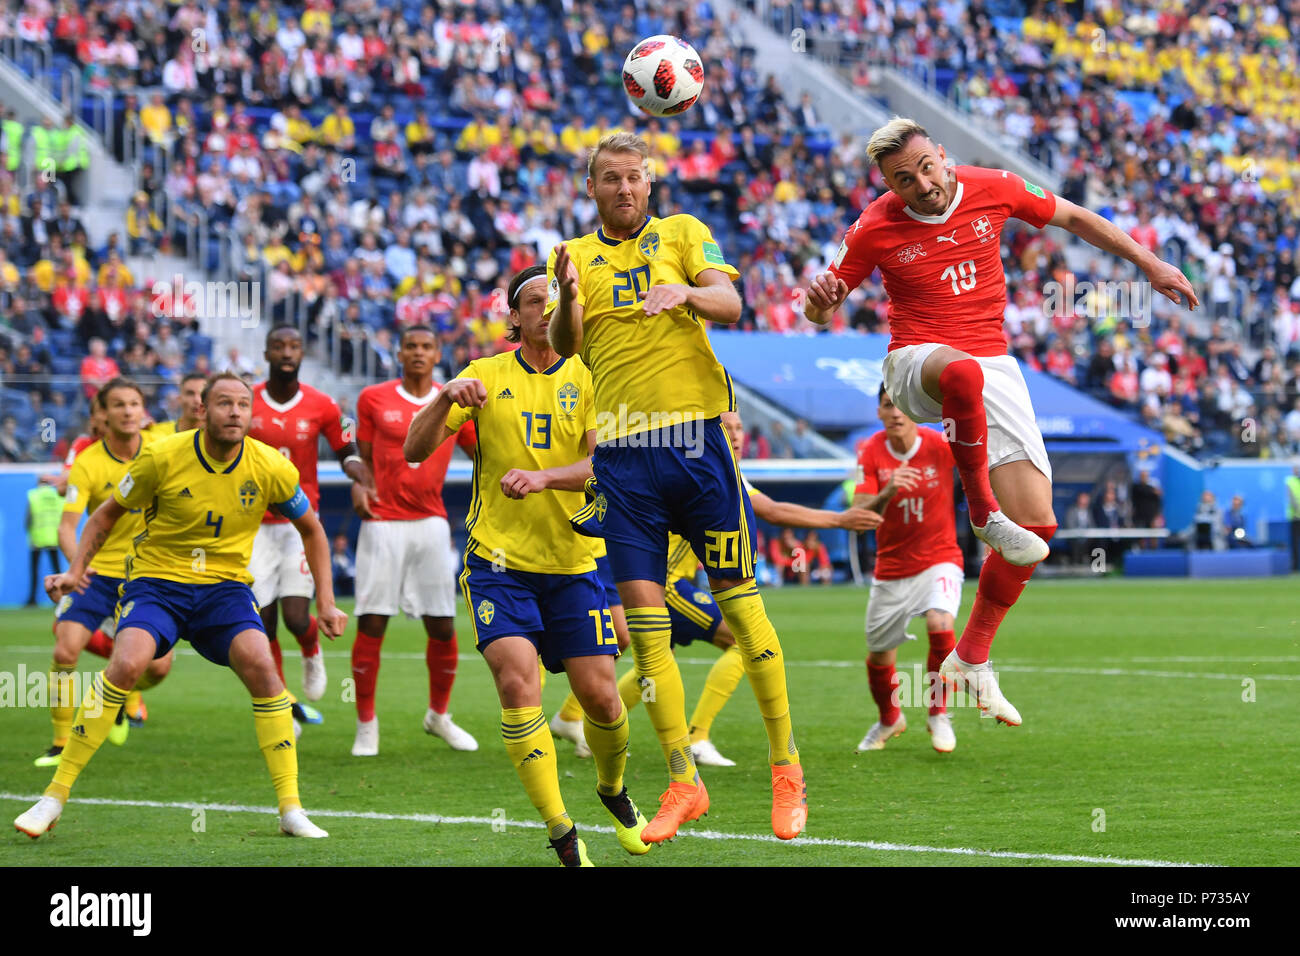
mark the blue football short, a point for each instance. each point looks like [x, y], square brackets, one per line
[652, 483]
[694, 614]
[606, 575]
[564, 615]
[90, 609]
[209, 616]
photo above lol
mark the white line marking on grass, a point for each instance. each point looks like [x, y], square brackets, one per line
[998, 666]
[696, 834]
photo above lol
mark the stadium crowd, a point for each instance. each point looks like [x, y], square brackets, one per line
[377, 164]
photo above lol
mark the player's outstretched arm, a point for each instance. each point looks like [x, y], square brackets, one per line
[429, 426]
[68, 535]
[316, 547]
[93, 535]
[565, 329]
[1166, 279]
[713, 297]
[790, 515]
[826, 293]
[518, 483]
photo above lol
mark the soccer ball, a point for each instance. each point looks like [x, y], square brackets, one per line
[663, 75]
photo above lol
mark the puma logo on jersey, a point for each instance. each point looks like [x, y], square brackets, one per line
[277, 421]
[951, 237]
[968, 444]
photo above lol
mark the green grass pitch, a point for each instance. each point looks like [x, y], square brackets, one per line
[1158, 716]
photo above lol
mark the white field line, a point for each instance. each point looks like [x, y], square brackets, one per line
[695, 834]
[998, 665]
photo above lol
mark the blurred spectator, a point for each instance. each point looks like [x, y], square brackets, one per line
[1079, 516]
[344, 565]
[817, 560]
[44, 512]
[1207, 531]
[1293, 513]
[97, 368]
[1234, 524]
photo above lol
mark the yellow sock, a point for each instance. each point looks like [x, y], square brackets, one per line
[570, 709]
[608, 743]
[532, 750]
[273, 720]
[90, 727]
[629, 689]
[664, 698]
[742, 607]
[62, 704]
[721, 683]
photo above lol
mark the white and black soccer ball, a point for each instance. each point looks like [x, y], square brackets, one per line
[663, 75]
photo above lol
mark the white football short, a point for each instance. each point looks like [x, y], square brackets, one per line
[894, 603]
[1013, 430]
[406, 566]
[279, 565]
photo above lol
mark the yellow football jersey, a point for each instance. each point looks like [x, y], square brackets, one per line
[201, 515]
[94, 475]
[156, 430]
[533, 419]
[646, 368]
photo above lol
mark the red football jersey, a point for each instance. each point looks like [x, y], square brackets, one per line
[79, 444]
[294, 429]
[920, 528]
[943, 274]
[406, 491]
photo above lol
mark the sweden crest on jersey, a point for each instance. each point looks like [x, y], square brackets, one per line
[649, 245]
[248, 493]
[568, 397]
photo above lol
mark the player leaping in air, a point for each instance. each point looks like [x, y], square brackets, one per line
[290, 416]
[203, 493]
[633, 298]
[936, 238]
[530, 582]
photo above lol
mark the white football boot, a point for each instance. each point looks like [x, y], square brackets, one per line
[941, 735]
[313, 676]
[879, 734]
[295, 823]
[1016, 545]
[42, 816]
[979, 680]
[571, 730]
[707, 755]
[440, 725]
[366, 743]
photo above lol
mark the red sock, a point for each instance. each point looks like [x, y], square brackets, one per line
[309, 640]
[441, 657]
[966, 428]
[884, 682]
[279, 658]
[100, 643]
[936, 693]
[365, 671]
[1001, 585]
